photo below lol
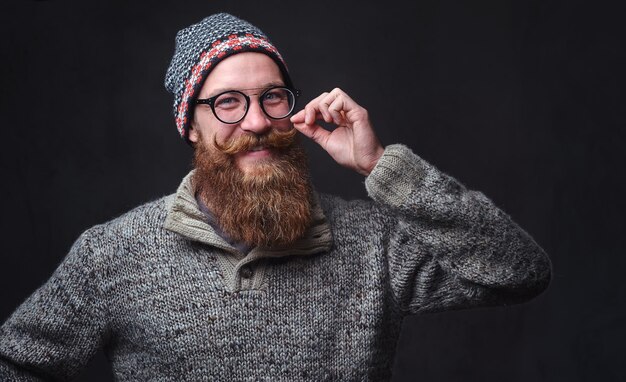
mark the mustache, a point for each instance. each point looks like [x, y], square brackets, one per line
[273, 139]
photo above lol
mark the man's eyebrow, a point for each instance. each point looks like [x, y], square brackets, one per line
[262, 87]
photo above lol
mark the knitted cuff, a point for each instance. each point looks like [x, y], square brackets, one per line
[397, 175]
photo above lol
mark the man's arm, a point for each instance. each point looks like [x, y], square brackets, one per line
[449, 247]
[55, 332]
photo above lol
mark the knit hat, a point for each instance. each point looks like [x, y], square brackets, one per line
[199, 48]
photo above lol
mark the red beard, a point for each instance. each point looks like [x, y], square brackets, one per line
[268, 206]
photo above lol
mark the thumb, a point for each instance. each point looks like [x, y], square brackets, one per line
[315, 132]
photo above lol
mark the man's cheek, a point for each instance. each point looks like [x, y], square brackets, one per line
[283, 125]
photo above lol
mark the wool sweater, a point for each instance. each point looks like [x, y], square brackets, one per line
[170, 300]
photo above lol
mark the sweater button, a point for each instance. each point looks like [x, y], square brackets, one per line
[246, 272]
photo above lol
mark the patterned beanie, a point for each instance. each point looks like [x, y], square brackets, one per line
[199, 48]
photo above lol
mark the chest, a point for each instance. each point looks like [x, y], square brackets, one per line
[307, 310]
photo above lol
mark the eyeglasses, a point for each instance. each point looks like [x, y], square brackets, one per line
[232, 106]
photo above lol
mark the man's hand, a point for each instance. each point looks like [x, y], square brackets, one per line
[353, 144]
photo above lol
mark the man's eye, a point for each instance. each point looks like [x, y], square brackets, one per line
[227, 102]
[274, 96]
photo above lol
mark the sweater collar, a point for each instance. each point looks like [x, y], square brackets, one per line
[185, 218]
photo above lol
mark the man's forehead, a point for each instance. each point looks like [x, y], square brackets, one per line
[248, 70]
[245, 90]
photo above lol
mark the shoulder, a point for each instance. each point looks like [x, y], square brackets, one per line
[140, 224]
[353, 213]
[101, 246]
[332, 204]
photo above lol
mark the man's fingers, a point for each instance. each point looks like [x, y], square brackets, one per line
[311, 109]
[330, 107]
[317, 133]
[325, 113]
[307, 114]
[340, 106]
[303, 117]
[298, 117]
[336, 109]
[347, 102]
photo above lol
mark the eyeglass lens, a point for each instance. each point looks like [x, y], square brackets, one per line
[277, 103]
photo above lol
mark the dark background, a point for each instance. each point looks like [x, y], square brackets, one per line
[522, 100]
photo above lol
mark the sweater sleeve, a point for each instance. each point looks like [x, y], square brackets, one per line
[449, 247]
[55, 332]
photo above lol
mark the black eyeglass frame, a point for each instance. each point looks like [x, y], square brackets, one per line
[211, 102]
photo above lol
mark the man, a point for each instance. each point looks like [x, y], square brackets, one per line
[246, 273]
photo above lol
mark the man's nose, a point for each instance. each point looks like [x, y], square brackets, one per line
[256, 121]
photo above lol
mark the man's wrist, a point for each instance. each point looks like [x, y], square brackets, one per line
[378, 153]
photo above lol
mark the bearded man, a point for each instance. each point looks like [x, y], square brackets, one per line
[246, 273]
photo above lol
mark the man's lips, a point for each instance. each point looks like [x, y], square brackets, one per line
[257, 152]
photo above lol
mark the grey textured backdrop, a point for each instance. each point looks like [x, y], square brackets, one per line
[522, 100]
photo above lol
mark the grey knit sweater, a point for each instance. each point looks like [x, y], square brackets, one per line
[170, 300]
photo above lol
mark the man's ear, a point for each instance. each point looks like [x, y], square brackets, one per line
[193, 133]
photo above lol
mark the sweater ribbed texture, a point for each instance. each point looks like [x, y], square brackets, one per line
[164, 306]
